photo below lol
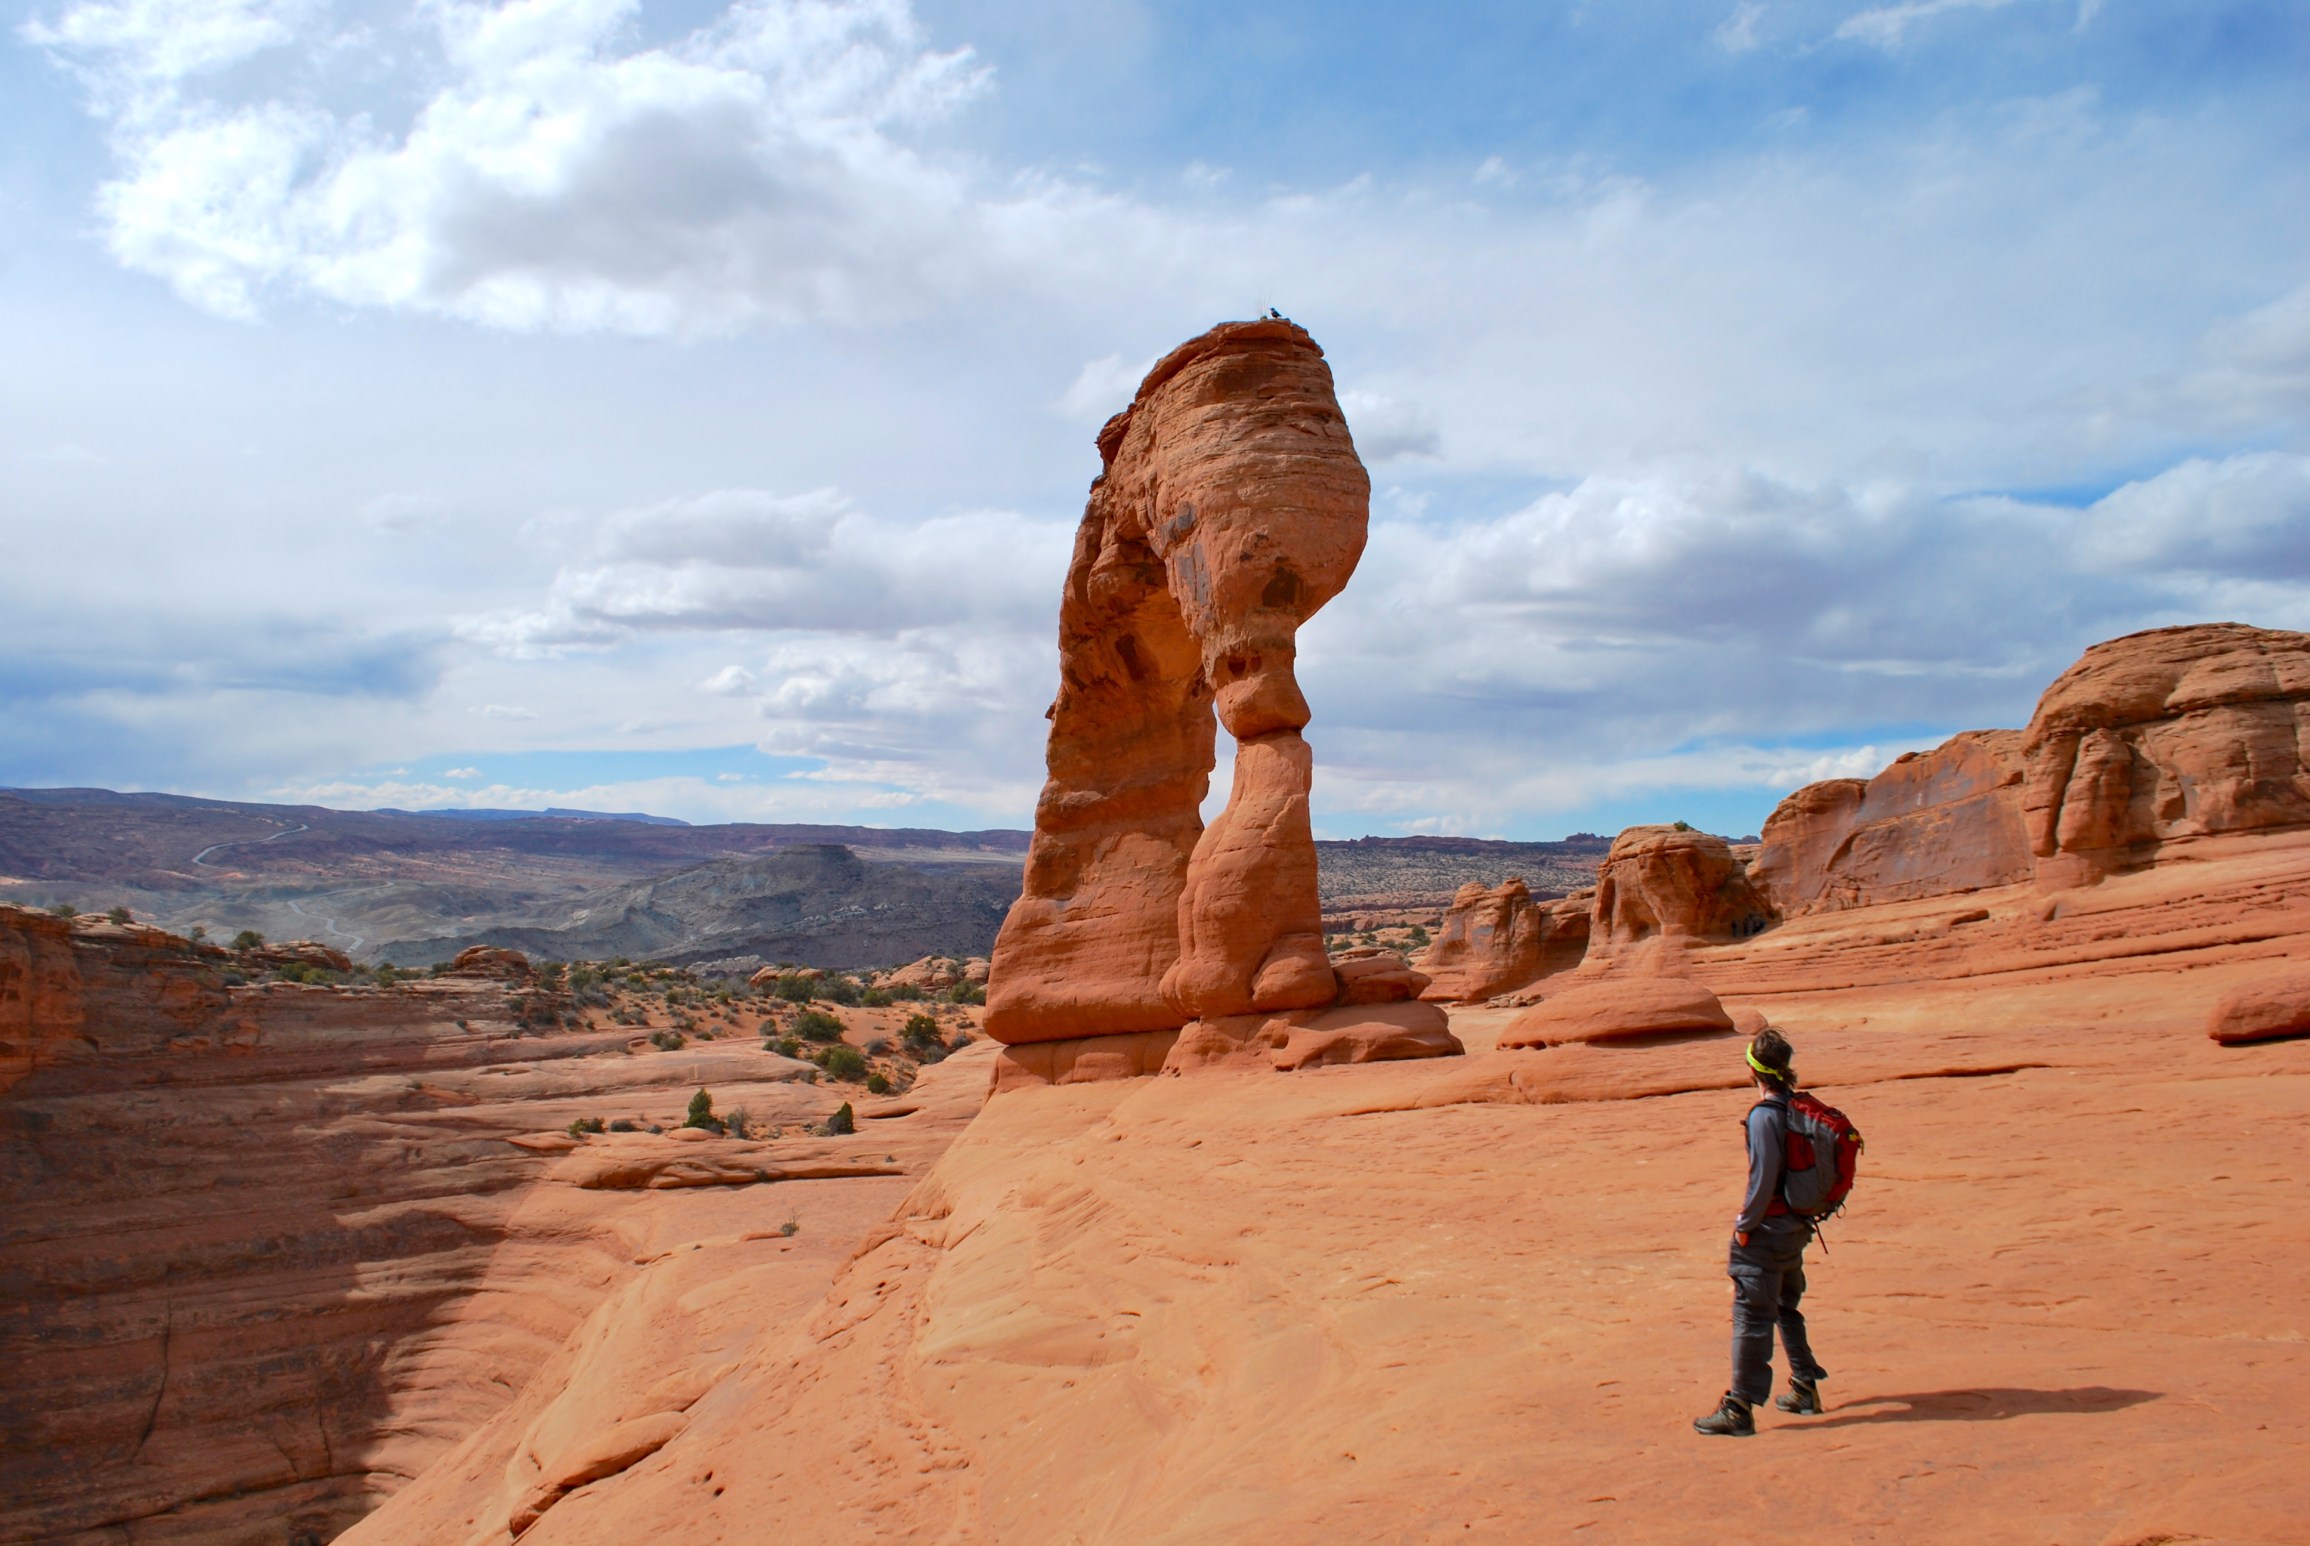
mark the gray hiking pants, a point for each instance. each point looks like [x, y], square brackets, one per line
[1768, 1277]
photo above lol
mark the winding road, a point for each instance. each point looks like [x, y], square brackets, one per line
[328, 925]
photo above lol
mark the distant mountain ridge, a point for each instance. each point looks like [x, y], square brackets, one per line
[405, 884]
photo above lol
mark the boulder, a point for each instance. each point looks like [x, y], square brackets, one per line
[932, 974]
[1375, 1033]
[1615, 1008]
[1370, 975]
[1230, 508]
[2173, 733]
[2266, 1009]
[1496, 939]
[491, 961]
[1675, 883]
[307, 952]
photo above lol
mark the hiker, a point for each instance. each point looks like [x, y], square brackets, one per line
[1768, 1259]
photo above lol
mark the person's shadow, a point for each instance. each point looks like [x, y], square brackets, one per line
[1987, 1405]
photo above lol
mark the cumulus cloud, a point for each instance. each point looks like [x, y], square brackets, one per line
[2244, 517]
[553, 174]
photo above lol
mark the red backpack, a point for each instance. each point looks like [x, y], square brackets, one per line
[1823, 1150]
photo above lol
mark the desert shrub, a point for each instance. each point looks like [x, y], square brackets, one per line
[966, 993]
[796, 989]
[817, 1025]
[385, 974]
[197, 934]
[878, 1047]
[875, 998]
[118, 914]
[920, 1031]
[878, 1083]
[702, 1113]
[1419, 934]
[623, 1125]
[734, 1121]
[958, 1042]
[248, 939]
[790, 1228]
[1684, 826]
[235, 979]
[845, 1062]
[905, 993]
[785, 1046]
[66, 910]
[667, 1041]
[841, 990]
[842, 1123]
[585, 1125]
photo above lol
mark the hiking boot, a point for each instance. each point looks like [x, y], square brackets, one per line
[1803, 1397]
[1731, 1418]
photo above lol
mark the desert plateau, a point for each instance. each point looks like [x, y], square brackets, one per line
[1277, 773]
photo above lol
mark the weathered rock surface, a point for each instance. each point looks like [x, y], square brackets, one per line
[1666, 882]
[1933, 823]
[2265, 1009]
[267, 1251]
[2174, 733]
[1369, 975]
[1499, 938]
[1613, 1008]
[1230, 508]
[1481, 1298]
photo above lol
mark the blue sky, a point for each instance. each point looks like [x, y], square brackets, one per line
[609, 397]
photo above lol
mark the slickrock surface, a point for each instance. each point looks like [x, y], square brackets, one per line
[1231, 507]
[1933, 823]
[1482, 1298]
[268, 1251]
[1499, 938]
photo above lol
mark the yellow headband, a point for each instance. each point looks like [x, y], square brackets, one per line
[1781, 1074]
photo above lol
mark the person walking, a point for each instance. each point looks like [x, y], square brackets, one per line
[1768, 1259]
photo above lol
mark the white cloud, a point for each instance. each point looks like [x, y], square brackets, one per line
[1737, 33]
[1102, 389]
[1385, 428]
[729, 681]
[505, 711]
[2246, 517]
[553, 176]
[1887, 26]
[461, 773]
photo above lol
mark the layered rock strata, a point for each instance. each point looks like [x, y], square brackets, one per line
[1230, 507]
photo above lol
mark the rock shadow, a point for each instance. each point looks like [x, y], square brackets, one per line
[1987, 1405]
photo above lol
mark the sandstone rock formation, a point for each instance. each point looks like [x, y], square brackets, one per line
[1498, 938]
[1617, 1008]
[491, 961]
[1672, 883]
[2174, 733]
[1934, 822]
[2269, 1008]
[1369, 975]
[1230, 508]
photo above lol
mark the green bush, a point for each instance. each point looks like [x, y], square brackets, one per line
[842, 1123]
[841, 990]
[785, 1046]
[667, 1041]
[1419, 935]
[875, 998]
[966, 993]
[920, 1031]
[905, 993]
[64, 910]
[248, 939]
[623, 1125]
[817, 1025]
[585, 1125]
[702, 1113]
[796, 989]
[118, 915]
[877, 1083]
[845, 1062]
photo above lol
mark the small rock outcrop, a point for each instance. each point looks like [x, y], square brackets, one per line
[1616, 1008]
[1231, 507]
[491, 961]
[2177, 732]
[1672, 883]
[1496, 939]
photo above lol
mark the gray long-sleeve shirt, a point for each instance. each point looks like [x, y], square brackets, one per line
[1768, 1127]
